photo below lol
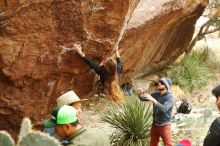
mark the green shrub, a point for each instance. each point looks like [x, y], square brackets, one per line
[132, 122]
[192, 72]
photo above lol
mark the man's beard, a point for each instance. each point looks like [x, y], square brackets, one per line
[161, 89]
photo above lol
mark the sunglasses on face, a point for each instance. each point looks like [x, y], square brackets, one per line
[158, 83]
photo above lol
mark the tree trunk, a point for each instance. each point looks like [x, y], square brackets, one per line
[193, 42]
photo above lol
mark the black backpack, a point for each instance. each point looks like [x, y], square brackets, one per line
[184, 108]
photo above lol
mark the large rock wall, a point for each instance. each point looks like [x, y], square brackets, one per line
[35, 70]
[157, 33]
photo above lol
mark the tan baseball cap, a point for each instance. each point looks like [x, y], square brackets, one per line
[68, 98]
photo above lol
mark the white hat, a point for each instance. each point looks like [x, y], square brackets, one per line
[68, 98]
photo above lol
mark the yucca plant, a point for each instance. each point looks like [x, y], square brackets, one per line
[192, 72]
[132, 122]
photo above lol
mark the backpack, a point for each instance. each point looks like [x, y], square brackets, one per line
[184, 108]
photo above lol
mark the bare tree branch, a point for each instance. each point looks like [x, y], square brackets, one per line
[204, 30]
[211, 31]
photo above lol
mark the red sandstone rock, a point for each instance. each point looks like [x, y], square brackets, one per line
[35, 70]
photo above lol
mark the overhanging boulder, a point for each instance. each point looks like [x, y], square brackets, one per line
[35, 70]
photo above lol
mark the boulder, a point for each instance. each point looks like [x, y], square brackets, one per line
[35, 70]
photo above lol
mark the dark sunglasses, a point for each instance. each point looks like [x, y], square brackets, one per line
[158, 83]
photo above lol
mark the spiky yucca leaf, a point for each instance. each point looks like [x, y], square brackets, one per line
[132, 121]
[6, 139]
